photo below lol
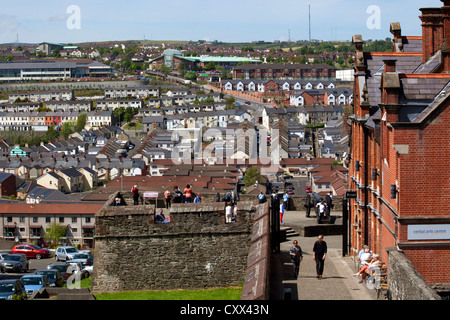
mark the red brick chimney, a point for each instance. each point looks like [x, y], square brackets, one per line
[432, 31]
[390, 90]
[446, 35]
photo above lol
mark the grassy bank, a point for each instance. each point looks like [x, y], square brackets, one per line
[232, 293]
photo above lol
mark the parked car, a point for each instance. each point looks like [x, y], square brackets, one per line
[80, 257]
[34, 282]
[31, 251]
[17, 262]
[61, 267]
[74, 268]
[54, 277]
[11, 288]
[65, 253]
[89, 267]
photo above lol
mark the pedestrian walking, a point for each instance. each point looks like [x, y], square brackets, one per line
[296, 257]
[319, 255]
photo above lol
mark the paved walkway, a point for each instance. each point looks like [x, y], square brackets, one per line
[338, 282]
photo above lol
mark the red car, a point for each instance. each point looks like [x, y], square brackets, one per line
[31, 251]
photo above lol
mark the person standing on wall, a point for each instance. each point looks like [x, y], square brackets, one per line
[198, 198]
[329, 202]
[188, 194]
[228, 212]
[135, 192]
[177, 195]
[282, 210]
[168, 197]
[319, 255]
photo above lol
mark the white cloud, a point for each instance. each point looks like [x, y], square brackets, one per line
[58, 18]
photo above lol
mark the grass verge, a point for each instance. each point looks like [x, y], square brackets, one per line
[232, 293]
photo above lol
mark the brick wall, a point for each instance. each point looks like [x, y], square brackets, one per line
[8, 186]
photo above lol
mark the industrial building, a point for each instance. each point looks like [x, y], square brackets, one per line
[52, 70]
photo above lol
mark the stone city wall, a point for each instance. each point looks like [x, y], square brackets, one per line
[405, 283]
[196, 250]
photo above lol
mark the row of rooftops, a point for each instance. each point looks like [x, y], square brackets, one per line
[284, 66]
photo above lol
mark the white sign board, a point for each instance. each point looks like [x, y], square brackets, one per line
[150, 194]
[429, 232]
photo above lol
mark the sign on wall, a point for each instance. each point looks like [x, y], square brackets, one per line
[429, 232]
[150, 194]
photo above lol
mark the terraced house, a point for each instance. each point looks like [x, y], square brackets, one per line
[284, 71]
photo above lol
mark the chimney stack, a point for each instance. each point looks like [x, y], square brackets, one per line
[445, 46]
[432, 31]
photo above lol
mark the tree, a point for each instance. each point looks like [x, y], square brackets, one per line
[251, 176]
[230, 101]
[210, 66]
[66, 130]
[54, 233]
[51, 134]
[81, 122]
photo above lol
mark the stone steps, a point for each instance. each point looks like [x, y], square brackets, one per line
[288, 232]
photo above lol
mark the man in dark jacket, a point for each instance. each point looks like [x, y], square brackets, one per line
[319, 254]
[296, 257]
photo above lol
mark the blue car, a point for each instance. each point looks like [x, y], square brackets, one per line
[10, 288]
[34, 283]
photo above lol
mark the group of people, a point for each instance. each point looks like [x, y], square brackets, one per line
[187, 196]
[368, 262]
[284, 202]
[230, 212]
[319, 254]
[325, 206]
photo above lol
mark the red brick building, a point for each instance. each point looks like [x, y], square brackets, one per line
[399, 147]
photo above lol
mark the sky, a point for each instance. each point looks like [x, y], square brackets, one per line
[77, 21]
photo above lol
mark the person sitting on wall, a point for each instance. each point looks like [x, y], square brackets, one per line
[160, 218]
[369, 268]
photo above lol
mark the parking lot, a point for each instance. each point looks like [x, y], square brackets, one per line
[34, 265]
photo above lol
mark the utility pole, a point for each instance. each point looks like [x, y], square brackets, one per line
[309, 19]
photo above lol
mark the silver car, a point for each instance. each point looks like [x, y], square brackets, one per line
[65, 253]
